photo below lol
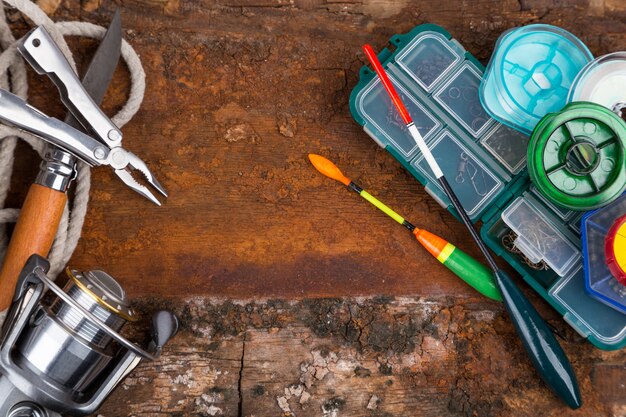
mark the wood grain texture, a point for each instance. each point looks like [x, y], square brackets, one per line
[34, 233]
[238, 93]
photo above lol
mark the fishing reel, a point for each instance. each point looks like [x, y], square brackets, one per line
[60, 348]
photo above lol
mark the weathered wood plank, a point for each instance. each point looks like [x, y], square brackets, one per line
[331, 357]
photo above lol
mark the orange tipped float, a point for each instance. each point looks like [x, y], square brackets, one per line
[327, 168]
[463, 265]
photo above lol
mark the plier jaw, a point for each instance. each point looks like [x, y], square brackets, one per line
[132, 164]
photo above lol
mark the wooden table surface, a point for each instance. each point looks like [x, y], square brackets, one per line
[296, 297]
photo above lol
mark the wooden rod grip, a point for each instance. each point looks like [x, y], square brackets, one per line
[34, 233]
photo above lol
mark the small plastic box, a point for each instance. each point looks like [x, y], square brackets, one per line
[484, 162]
[591, 318]
[429, 57]
[539, 236]
[600, 281]
[459, 97]
[508, 146]
[376, 108]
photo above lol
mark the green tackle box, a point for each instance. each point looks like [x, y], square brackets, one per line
[485, 163]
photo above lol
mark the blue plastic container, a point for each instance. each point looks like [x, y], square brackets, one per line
[530, 74]
[599, 281]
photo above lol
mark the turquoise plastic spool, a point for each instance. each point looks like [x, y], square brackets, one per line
[530, 74]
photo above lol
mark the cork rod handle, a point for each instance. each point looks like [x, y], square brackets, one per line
[34, 233]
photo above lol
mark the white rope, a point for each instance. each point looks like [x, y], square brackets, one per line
[13, 78]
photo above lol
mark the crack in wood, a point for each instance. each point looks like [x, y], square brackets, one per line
[240, 380]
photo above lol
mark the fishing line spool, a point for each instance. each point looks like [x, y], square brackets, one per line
[530, 74]
[603, 81]
[576, 157]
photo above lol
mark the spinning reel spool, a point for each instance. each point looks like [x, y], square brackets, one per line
[60, 349]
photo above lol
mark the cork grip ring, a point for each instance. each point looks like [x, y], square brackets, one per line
[576, 158]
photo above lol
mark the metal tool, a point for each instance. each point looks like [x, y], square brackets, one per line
[61, 351]
[42, 210]
[542, 347]
[58, 167]
[43, 54]
[461, 264]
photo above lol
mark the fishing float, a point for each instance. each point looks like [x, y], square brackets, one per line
[461, 264]
[544, 350]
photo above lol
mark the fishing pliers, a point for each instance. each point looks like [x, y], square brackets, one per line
[102, 146]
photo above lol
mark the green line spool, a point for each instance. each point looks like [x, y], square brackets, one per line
[577, 157]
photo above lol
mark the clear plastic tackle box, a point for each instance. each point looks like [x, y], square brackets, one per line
[485, 163]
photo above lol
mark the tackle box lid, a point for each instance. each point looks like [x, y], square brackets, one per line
[438, 81]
